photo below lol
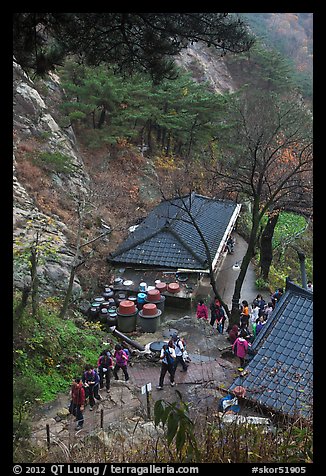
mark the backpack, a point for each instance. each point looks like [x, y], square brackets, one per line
[106, 361]
[169, 358]
[126, 351]
[235, 348]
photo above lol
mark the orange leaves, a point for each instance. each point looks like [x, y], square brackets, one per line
[288, 155]
[134, 193]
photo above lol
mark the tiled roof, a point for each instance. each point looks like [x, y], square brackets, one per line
[166, 238]
[280, 375]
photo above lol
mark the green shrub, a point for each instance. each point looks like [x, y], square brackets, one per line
[55, 162]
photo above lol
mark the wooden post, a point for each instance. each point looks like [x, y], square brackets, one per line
[148, 404]
[48, 435]
[102, 415]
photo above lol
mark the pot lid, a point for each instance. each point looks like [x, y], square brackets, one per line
[128, 282]
[157, 345]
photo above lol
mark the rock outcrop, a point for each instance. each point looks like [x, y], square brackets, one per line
[37, 132]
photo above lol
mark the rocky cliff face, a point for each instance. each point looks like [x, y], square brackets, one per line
[205, 65]
[36, 132]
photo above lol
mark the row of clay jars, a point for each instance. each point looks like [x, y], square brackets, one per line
[128, 308]
[171, 287]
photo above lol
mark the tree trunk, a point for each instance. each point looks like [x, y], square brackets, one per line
[266, 249]
[235, 312]
[23, 303]
[101, 119]
[68, 292]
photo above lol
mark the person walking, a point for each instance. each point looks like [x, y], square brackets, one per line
[275, 297]
[105, 366]
[179, 351]
[240, 348]
[215, 308]
[91, 382]
[77, 403]
[221, 320]
[268, 310]
[121, 362]
[167, 357]
[244, 316]
[202, 311]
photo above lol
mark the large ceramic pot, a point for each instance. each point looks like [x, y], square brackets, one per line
[154, 296]
[173, 288]
[149, 317]
[127, 316]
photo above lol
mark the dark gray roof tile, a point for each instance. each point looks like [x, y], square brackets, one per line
[165, 238]
[281, 372]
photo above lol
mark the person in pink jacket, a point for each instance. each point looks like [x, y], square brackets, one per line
[240, 348]
[202, 311]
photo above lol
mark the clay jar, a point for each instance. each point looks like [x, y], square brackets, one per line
[127, 308]
[161, 286]
[153, 295]
[127, 316]
[149, 310]
[149, 317]
[173, 288]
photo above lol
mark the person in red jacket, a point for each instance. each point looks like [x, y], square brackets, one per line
[202, 311]
[77, 403]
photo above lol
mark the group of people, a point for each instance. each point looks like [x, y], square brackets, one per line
[92, 380]
[172, 354]
[217, 313]
[252, 320]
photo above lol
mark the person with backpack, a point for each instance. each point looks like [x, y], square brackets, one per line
[216, 312]
[221, 318]
[121, 362]
[77, 403]
[91, 382]
[105, 366]
[179, 351]
[167, 357]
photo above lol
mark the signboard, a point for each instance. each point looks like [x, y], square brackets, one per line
[148, 386]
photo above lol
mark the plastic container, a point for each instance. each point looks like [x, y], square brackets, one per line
[142, 287]
[141, 300]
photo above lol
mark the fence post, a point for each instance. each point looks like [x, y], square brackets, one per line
[102, 415]
[148, 404]
[48, 435]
